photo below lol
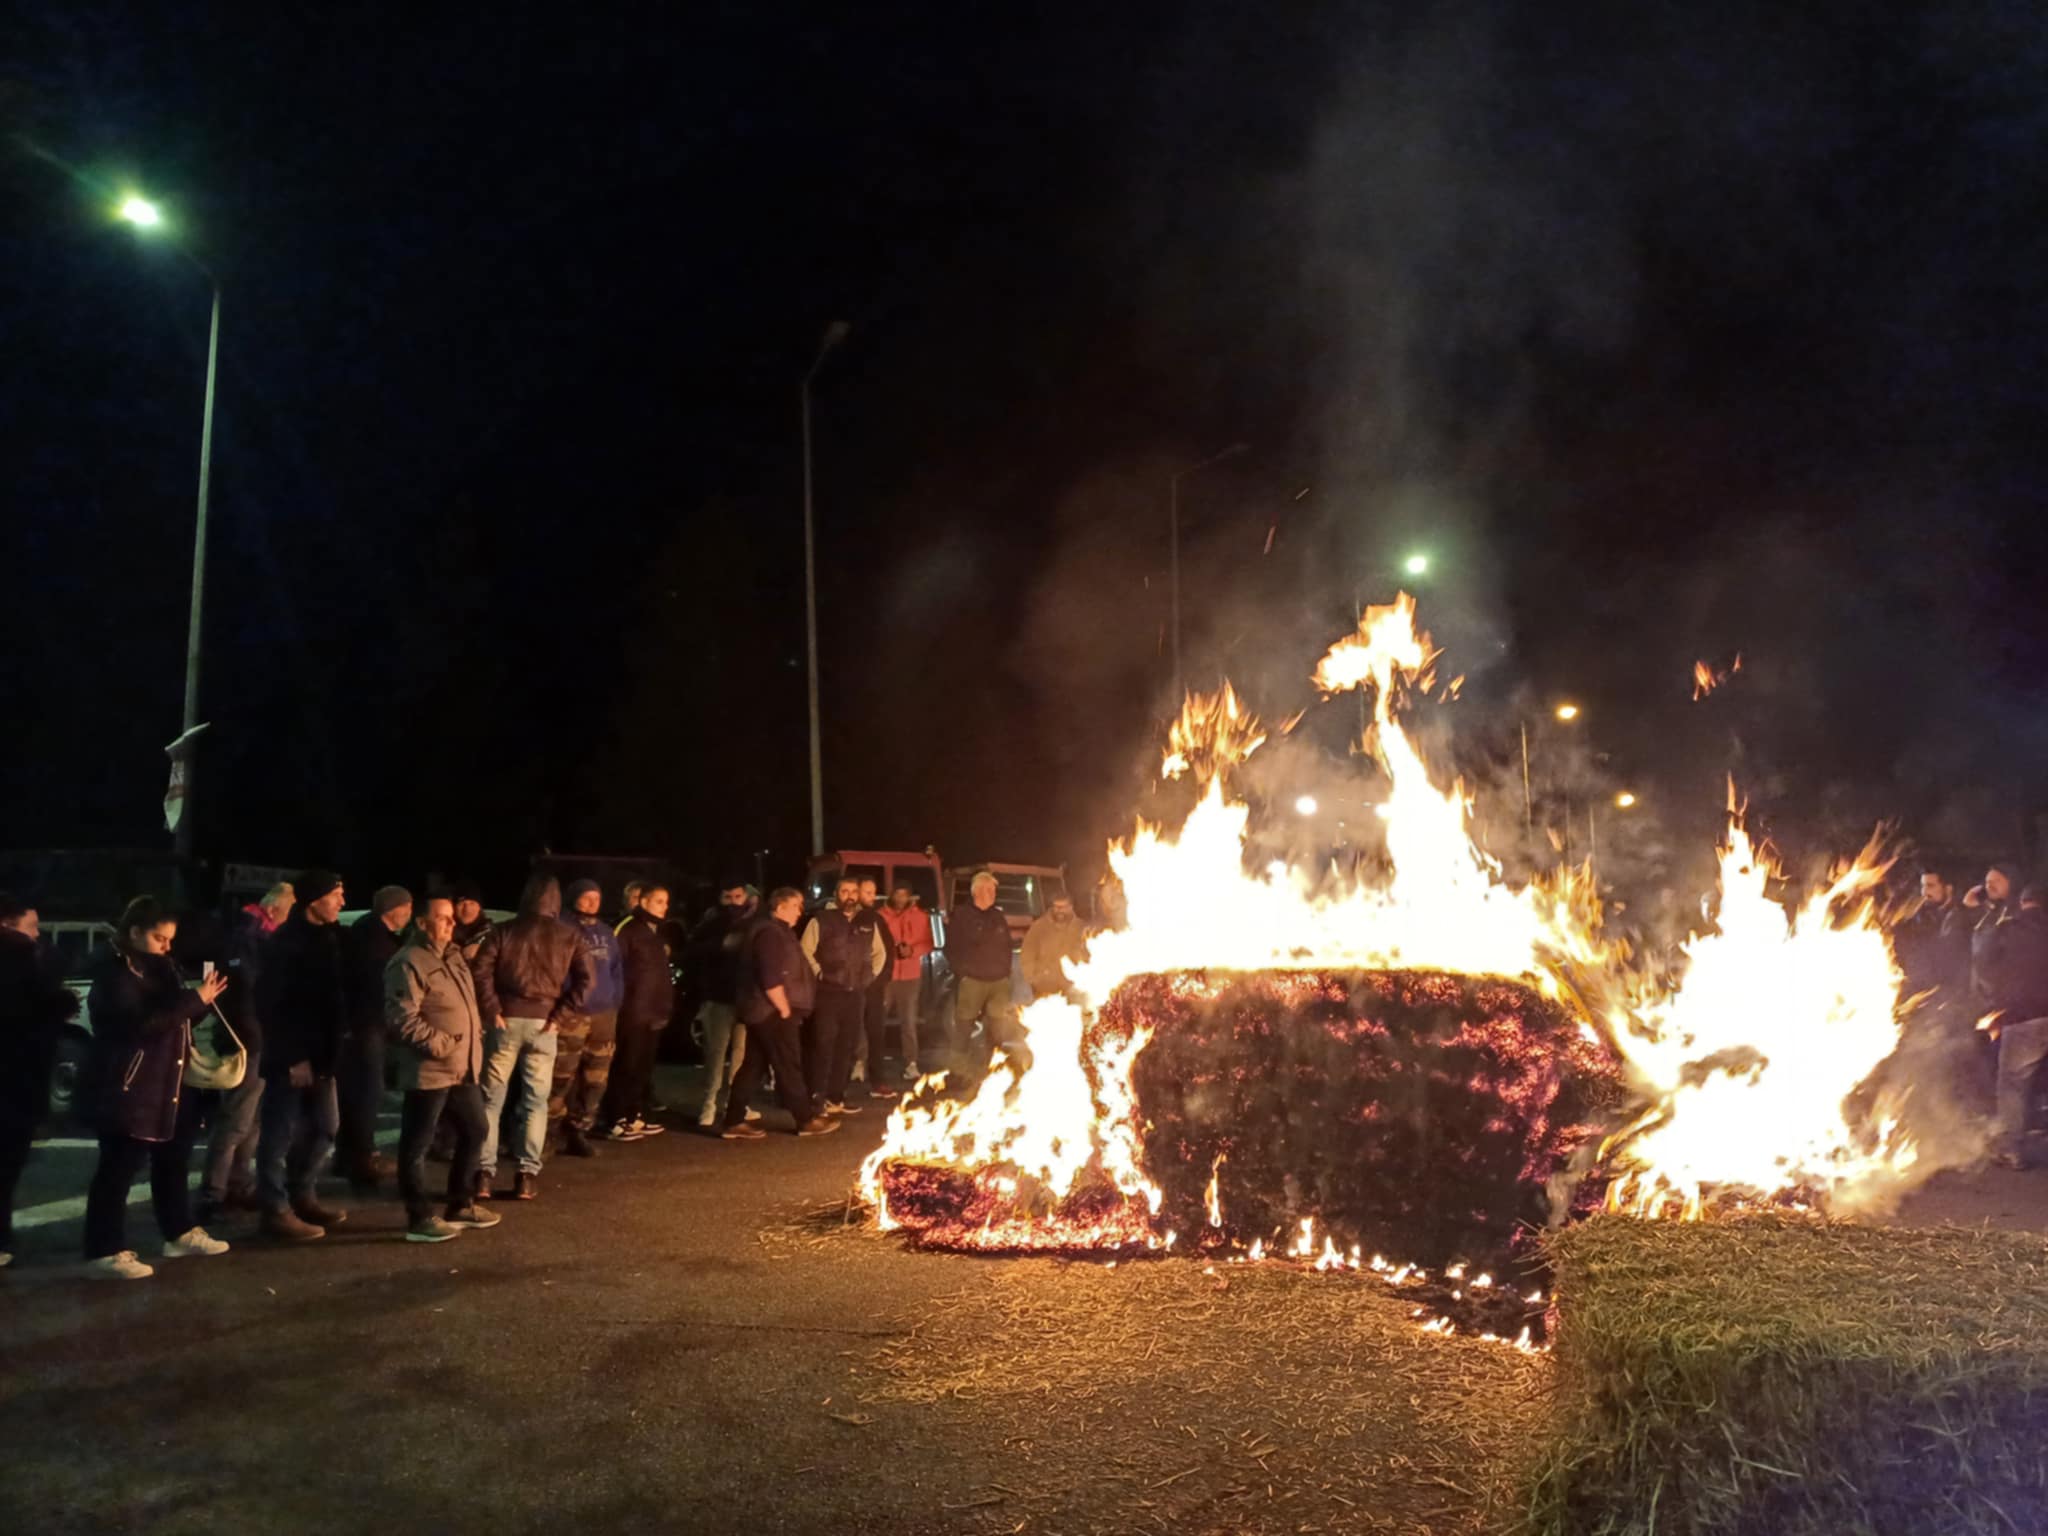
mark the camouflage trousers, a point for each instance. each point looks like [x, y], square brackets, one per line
[583, 1065]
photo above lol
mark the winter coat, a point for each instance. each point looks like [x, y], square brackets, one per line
[431, 1013]
[650, 995]
[367, 947]
[248, 943]
[141, 1034]
[774, 958]
[1046, 944]
[2016, 966]
[607, 968]
[302, 997]
[978, 942]
[848, 952]
[34, 1006]
[718, 953]
[533, 967]
[908, 933]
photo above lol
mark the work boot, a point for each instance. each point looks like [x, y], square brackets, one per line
[484, 1179]
[575, 1143]
[819, 1126]
[743, 1132]
[528, 1187]
[313, 1213]
[290, 1227]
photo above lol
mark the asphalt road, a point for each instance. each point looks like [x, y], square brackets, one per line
[684, 1336]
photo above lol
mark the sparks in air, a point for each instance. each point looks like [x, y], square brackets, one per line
[1706, 677]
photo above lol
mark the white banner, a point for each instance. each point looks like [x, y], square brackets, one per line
[180, 753]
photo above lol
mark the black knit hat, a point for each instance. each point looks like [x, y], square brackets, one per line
[577, 888]
[312, 884]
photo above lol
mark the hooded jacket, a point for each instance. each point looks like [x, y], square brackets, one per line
[607, 967]
[141, 1034]
[533, 967]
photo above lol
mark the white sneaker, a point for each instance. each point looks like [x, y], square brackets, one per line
[860, 1071]
[194, 1242]
[6, 1258]
[648, 1127]
[118, 1266]
[753, 1113]
[910, 1072]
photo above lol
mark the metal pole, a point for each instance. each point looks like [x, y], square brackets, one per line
[811, 632]
[1173, 536]
[1528, 801]
[195, 623]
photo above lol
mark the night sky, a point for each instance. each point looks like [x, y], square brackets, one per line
[1668, 332]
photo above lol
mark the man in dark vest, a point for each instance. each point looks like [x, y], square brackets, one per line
[844, 941]
[778, 986]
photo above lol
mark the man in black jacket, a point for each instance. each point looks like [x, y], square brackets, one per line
[649, 998]
[367, 947]
[716, 959]
[978, 950]
[304, 1006]
[777, 989]
[34, 1006]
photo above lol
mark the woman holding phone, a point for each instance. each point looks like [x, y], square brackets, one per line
[142, 1017]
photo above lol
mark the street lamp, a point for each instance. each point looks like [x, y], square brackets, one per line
[1173, 530]
[145, 215]
[835, 333]
[1416, 565]
[1567, 713]
[1306, 806]
[1624, 800]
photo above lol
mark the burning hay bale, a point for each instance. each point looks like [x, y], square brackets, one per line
[1417, 1114]
[1424, 1116]
[1786, 1375]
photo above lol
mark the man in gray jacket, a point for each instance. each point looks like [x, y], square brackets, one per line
[431, 1012]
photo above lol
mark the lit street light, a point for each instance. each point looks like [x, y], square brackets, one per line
[1567, 712]
[1306, 806]
[1416, 565]
[145, 215]
[1624, 800]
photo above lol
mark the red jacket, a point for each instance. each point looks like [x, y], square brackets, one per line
[911, 926]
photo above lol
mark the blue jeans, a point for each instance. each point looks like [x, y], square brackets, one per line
[725, 1042]
[525, 1047]
[231, 1155]
[299, 1126]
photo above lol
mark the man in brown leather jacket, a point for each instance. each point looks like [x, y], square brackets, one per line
[530, 974]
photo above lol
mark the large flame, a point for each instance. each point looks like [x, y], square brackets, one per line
[1744, 1059]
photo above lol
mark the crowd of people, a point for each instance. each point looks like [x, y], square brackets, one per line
[1975, 972]
[534, 1037]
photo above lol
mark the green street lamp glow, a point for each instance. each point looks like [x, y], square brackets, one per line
[140, 212]
[1416, 565]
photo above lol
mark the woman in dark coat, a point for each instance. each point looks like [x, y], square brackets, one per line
[141, 1034]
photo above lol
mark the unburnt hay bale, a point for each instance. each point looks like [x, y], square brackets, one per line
[1782, 1376]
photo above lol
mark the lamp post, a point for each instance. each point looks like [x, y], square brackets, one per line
[1173, 534]
[145, 216]
[835, 333]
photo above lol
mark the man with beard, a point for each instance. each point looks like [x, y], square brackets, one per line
[844, 943]
[777, 988]
[1055, 937]
[874, 1010]
[531, 974]
[303, 1005]
[717, 958]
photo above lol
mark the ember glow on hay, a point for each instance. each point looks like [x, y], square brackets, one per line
[1737, 1068]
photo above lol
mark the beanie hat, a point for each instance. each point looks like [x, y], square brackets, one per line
[466, 890]
[577, 888]
[312, 884]
[388, 897]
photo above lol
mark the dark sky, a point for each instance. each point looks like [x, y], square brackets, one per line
[1668, 334]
